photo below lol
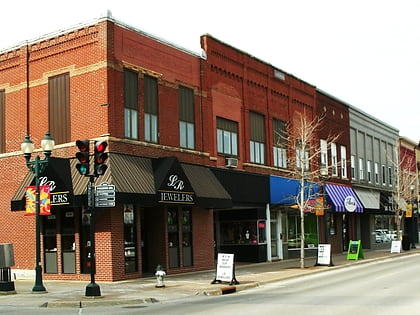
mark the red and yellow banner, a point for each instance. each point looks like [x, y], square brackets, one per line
[319, 206]
[44, 200]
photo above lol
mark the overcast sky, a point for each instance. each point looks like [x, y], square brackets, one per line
[364, 52]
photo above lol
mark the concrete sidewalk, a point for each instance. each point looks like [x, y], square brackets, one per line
[143, 290]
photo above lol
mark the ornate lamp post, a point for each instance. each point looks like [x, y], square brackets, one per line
[37, 166]
[324, 175]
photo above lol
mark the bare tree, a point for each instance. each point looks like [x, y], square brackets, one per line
[404, 178]
[303, 163]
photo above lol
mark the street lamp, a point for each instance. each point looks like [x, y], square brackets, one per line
[37, 166]
[324, 175]
[413, 218]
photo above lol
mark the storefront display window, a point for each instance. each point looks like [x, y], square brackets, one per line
[50, 243]
[294, 231]
[385, 229]
[243, 232]
[130, 237]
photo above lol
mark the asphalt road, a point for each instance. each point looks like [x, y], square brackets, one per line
[382, 287]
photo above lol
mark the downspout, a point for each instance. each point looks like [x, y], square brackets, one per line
[27, 91]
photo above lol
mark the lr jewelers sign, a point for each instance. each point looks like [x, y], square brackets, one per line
[175, 192]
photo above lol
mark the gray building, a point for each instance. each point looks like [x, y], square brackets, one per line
[372, 164]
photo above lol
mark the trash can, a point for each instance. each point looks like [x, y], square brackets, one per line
[6, 261]
[405, 242]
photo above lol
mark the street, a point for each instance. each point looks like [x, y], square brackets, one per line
[382, 287]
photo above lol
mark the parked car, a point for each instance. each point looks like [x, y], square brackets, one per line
[382, 237]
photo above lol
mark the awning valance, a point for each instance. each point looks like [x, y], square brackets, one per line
[343, 198]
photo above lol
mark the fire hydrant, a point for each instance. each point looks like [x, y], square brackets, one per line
[160, 274]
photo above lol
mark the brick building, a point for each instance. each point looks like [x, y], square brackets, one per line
[194, 152]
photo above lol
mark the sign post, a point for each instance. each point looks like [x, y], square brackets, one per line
[355, 250]
[225, 270]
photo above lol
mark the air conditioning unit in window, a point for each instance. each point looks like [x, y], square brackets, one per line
[231, 162]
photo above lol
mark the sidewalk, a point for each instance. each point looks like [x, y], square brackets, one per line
[143, 290]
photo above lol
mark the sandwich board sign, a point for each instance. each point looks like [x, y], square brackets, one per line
[324, 256]
[355, 250]
[396, 247]
[225, 270]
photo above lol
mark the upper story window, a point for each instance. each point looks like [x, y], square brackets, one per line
[353, 166]
[2, 121]
[150, 109]
[257, 142]
[131, 107]
[383, 175]
[369, 171]
[59, 107]
[376, 170]
[302, 155]
[390, 176]
[280, 143]
[334, 162]
[186, 118]
[227, 136]
[343, 162]
[361, 169]
[324, 153]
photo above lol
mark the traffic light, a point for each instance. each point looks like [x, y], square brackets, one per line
[83, 157]
[100, 157]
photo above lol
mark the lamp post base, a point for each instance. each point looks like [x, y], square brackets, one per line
[92, 289]
[38, 287]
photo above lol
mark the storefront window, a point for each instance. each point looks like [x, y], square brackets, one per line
[68, 246]
[243, 232]
[187, 237]
[385, 229]
[173, 237]
[180, 237]
[294, 231]
[130, 239]
[50, 243]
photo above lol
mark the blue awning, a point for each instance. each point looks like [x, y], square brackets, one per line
[286, 190]
[343, 198]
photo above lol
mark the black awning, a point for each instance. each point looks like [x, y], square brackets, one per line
[137, 180]
[57, 175]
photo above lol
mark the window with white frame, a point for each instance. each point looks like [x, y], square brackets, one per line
[257, 135]
[227, 136]
[131, 109]
[186, 118]
[150, 109]
[280, 143]
[390, 175]
[361, 169]
[369, 171]
[334, 162]
[324, 153]
[376, 169]
[343, 162]
[383, 175]
[353, 166]
[302, 155]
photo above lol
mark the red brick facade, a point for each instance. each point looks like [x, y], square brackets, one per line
[228, 84]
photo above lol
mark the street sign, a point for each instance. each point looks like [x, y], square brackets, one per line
[105, 195]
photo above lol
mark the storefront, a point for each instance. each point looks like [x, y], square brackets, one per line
[286, 221]
[242, 229]
[344, 222]
[163, 215]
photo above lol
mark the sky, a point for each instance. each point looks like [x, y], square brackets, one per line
[363, 52]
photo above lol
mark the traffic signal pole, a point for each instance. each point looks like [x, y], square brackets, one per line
[83, 156]
[92, 289]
